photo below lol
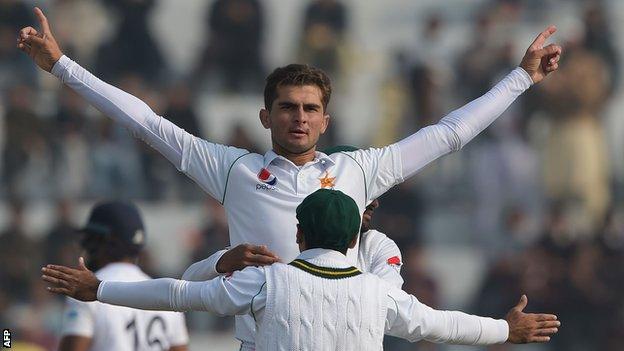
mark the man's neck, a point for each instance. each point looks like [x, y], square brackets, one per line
[298, 159]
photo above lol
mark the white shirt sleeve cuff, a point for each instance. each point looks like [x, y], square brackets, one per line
[497, 332]
[61, 66]
[99, 290]
[524, 76]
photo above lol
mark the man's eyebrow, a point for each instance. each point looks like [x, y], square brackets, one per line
[311, 105]
[286, 103]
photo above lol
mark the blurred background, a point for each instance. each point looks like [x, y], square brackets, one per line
[533, 205]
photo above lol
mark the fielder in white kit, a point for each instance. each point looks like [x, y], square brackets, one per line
[261, 192]
[316, 302]
[113, 238]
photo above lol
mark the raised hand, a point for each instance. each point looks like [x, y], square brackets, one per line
[530, 327]
[40, 45]
[81, 283]
[539, 61]
[245, 255]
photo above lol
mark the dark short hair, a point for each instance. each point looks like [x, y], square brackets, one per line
[297, 75]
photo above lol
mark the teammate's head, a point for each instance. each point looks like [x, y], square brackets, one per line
[368, 216]
[114, 232]
[328, 219]
[296, 98]
[368, 213]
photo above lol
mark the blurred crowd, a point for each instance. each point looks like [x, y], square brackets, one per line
[537, 194]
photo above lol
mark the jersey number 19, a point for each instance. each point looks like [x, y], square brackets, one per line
[152, 333]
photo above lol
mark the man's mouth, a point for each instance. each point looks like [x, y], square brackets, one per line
[298, 132]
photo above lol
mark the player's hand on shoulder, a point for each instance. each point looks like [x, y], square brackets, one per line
[540, 60]
[40, 44]
[245, 255]
[79, 283]
[530, 327]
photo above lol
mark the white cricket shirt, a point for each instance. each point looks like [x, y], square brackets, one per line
[260, 204]
[122, 328]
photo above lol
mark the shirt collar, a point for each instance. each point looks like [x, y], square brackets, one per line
[271, 156]
[325, 258]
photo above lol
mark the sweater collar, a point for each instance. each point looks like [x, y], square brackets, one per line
[325, 258]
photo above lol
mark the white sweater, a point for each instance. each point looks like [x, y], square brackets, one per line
[295, 307]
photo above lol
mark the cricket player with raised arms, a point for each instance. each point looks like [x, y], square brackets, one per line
[261, 192]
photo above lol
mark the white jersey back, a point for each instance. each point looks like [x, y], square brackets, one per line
[322, 309]
[122, 328]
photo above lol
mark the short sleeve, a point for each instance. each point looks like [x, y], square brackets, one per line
[209, 164]
[382, 169]
[178, 334]
[78, 318]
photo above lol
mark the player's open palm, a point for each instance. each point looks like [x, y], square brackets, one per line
[40, 45]
[80, 283]
[540, 60]
[530, 327]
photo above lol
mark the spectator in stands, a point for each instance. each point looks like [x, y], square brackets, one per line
[324, 26]
[25, 143]
[70, 148]
[575, 162]
[14, 68]
[212, 237]
[180, 109]
[61, 244]
[234, 52]
[81, 25]
[239, 137]
[598, 39]
[135, 50]
[19, 255]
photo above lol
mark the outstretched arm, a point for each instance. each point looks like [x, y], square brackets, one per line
[223, 296]
[410, 319]
[462, 125]
[206, 163]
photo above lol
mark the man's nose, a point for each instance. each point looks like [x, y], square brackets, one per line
[300, 115]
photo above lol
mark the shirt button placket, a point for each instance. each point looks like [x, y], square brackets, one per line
[300, 185]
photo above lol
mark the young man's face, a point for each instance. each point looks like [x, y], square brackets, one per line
[296, 119]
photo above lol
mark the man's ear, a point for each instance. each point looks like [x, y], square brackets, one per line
[354, 241]
[265, 118]
[326, 119]
[299, 235]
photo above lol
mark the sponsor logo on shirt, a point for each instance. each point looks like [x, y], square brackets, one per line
[266, 187]
[266, 177]
[394, 260]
